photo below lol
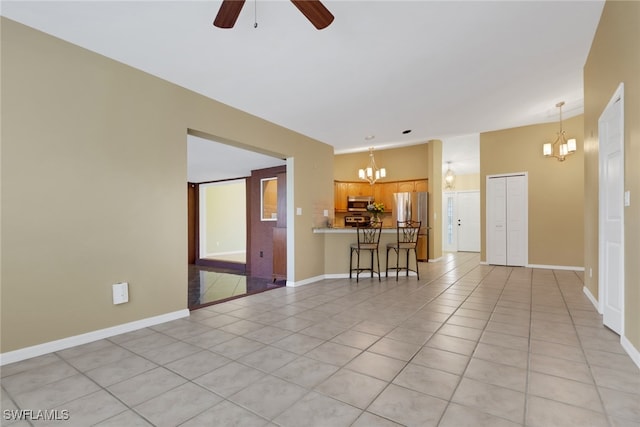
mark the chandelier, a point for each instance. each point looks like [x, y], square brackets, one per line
[449, 178]
[561, 147]
[372, 172]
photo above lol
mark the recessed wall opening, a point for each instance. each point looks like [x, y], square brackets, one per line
[234, 201]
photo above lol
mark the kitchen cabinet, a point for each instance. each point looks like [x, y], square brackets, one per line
[406, 186]
[422, 185]
[381, 191]
[342, 190]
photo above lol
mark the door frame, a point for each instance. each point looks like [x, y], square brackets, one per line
[618, 96]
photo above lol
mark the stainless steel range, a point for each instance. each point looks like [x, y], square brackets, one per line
[355, 220]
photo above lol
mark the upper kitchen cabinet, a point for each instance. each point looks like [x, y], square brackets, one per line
[381, 191]
[342, 190]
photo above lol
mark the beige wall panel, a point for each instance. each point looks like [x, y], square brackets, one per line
[93, 187]
[401, 163]
[615, 58]
[556, 226]
[467, 182]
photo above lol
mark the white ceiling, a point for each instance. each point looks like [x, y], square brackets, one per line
[439, 68]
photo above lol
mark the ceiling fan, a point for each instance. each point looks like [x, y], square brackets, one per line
[314, 10]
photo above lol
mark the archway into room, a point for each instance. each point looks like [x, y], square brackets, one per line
[231, 245]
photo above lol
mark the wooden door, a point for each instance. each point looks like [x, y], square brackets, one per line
[192, 223]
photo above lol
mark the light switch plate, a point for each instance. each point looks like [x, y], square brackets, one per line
[120, 293]
[627, 198]
[298, 211]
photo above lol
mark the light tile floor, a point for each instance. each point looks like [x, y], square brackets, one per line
[466, 345]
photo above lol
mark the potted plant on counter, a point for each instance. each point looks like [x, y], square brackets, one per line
[376, 210]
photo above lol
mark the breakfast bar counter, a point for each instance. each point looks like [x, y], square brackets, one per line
[337, 242]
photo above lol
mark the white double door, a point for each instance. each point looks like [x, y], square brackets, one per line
[461, 221]
[507, 220]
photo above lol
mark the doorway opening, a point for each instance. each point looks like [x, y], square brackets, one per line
[228, 248]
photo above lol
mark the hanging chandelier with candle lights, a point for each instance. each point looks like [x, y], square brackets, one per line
[372, 172]
[561, 147]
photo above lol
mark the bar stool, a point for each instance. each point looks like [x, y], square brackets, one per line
[407, 240]
[368, 240]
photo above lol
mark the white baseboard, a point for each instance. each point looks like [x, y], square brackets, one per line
[64, 343]
[591, 298]
[631, 350]
[556, 267]
[435, 259]
[305, 281]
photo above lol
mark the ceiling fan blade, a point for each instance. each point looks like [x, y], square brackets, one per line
[228, 13]
[315, 12]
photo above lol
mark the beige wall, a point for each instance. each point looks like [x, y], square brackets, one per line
[404, 163]
[465, 182]
[615, 58]
[93, 187]
[556, 230]
[226, 231]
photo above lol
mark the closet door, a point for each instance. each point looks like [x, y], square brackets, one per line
[507, 220]
[496, 220]
[517, 233]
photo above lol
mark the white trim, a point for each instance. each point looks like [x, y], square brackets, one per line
[556, 267]
[214, 254]
[631, 350]
[591, 298]
[308, 281]
[64, 343]
[435, 259]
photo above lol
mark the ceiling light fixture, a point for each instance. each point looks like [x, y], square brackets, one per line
[449, 178]
[372, 173]
[561, 147]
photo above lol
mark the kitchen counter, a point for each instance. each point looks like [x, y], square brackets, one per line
[337, 242]
[348, 230]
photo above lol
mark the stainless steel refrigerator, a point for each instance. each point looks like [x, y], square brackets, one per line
[414, 206]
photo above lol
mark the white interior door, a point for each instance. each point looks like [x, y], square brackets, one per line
[611, 268]
[517, 224]
[507, 220]
[449, 227]
[468, 223]
[496, 207]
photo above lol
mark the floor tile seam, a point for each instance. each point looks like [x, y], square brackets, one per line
[55, 353]
[224, 399]
[133, 408]
[77, 371]
[584, 355]
[99, 387]
[271, 419]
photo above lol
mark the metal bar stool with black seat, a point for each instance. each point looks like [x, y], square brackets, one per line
[368, 240]
[407, 241]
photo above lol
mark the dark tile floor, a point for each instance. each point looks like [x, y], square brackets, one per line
[208, 285]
